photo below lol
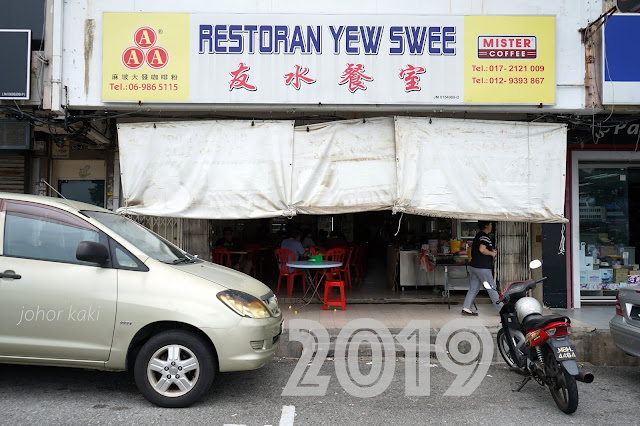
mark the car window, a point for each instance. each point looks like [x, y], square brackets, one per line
[43, 233]
[146, 241]
[124, 259]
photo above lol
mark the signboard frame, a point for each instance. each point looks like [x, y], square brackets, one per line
[620, 64]
[335, 59]
[15, 92]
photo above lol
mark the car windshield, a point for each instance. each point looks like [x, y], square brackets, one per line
[149, 243]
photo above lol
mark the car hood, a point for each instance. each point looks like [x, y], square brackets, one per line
[225, 277]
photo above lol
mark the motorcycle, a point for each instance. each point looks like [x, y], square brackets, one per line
[537, 346]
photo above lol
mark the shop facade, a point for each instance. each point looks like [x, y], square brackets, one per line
[44, 148]
[307, 72]
[604, 169]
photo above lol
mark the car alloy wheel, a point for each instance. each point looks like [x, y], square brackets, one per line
[173, 370]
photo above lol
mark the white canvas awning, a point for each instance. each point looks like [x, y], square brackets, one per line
[344, 167]
[507, 171]
[206, 169]
[472, 169]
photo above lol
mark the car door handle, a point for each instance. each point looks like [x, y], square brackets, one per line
[7, 275]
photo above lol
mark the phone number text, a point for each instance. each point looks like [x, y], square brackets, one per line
[510, 80]
[508, 68]
[158, 87]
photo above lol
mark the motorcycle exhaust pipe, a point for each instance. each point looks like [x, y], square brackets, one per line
[584, 377]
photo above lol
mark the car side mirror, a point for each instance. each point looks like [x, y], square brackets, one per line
[90, 251]
[535, 264]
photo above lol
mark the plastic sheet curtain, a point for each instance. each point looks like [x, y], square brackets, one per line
[206, 169]
[345, 166]
[472, 169]
[505, 171]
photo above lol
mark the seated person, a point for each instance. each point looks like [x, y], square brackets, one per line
[336, 239]
[293, 244]
[238, 261]
[322, 237]
[307, 241]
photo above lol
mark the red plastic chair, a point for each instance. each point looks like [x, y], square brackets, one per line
[345, 271]
[337, 254]
[358, 259]
[329, 285]
[256, 256]
[283, 256]
[334, 280]
[221, 256]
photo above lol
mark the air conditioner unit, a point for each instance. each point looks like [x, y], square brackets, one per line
[15, 135]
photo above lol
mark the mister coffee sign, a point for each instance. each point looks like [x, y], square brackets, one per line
[328, 59]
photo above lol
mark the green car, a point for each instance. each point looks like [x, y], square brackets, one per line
[83, 287]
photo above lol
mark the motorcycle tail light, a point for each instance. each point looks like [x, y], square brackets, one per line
[559, 330]
[618, 307]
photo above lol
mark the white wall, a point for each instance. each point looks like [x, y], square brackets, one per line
[82, 37]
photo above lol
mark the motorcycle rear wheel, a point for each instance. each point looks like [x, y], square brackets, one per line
[563, 386]
[503, 347]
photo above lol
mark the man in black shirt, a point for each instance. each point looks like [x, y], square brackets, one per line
[480, 269]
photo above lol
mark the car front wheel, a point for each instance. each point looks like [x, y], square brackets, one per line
[174, 369]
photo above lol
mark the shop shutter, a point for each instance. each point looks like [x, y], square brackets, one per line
[514, 252]
[12, 173]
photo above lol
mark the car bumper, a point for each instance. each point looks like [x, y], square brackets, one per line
[625, 336]
[248, 345]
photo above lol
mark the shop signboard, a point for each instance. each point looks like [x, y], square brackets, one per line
[621, 65]
[60, 149]
[328, 59]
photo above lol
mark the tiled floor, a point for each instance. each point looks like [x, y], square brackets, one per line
[399, 315]
[375, 287]
[597, 316]
[373, 299]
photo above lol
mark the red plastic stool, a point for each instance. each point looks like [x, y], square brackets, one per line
[328, 286]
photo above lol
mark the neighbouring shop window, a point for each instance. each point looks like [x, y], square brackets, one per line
[86, 191]
[606, 257]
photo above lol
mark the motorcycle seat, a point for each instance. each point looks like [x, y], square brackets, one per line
[538, 321]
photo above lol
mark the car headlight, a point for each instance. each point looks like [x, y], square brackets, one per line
[244, 304]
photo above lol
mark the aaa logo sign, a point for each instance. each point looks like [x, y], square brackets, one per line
[134, 57]
[145, 57]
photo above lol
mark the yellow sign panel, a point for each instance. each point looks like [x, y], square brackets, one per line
[509, 59]
[145, 57]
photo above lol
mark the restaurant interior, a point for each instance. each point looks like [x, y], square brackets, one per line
[389, 258]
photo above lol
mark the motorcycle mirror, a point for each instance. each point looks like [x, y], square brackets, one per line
[535, 264]
[486, 285]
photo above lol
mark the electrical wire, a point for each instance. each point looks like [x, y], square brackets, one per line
[399, 223]
[561, 249]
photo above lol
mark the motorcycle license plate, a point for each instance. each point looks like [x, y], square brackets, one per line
[565, 352]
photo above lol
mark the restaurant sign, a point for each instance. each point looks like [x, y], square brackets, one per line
[328, 59]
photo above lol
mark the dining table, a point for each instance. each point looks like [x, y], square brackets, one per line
[239, 252]
[313, 269]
